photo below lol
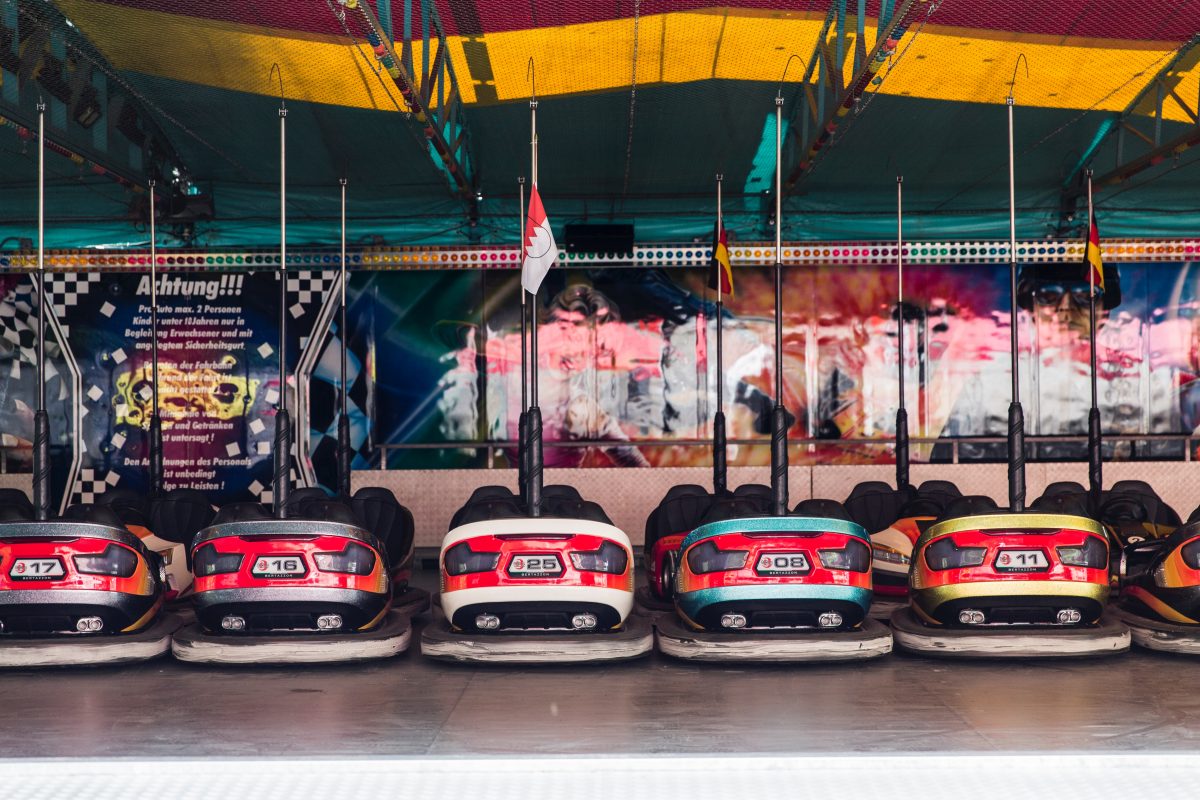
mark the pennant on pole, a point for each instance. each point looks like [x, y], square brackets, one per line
[1091, 257]
[720, 269]
[540, 249]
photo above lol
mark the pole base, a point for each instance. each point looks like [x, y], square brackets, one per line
[92, 651]
[871, 640]
[1165, 637]
[195, 645]
[635, 639]
[1108, 637]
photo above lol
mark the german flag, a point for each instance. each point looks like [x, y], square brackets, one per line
[720, 270]
[1091, 258]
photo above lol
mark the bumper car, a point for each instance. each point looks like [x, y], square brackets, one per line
[680, 511]
[1015, 582]
[758, 582]
[552, 588]
[989, 582]
[80, 589]
[751, 586]
[895, 520]
[1160, 590]
[311, 586]
[307, 581]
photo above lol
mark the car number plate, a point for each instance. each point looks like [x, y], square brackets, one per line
[34, 569]
[278, 567]
[540, 566]
[782, 564]
[1022, 561]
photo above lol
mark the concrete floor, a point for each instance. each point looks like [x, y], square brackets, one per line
[412, 707]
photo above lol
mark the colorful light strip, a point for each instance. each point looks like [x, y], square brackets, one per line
[662, 255]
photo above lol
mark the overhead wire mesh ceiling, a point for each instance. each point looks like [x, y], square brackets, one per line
[642, 103]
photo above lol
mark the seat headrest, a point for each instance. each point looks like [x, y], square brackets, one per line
[1194, 516]
[732, 507]
[241, 512]
[822, 508]
[870, 488]
[329, 510]
[562, 491]
[132, 507]
[684, 490]
[1064, 487]
[94, 513]
[179, 514]
[969, 506]
[15, 513]
[941, 492]
[1135, 487]
[305, 494]
[875, 505]
[1072, 503]
[18, 502]
[375, 493]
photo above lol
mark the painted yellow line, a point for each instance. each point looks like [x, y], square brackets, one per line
[943, 63]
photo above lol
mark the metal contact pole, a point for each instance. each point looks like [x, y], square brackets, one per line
[1016, 415]
[720, 462]
[523, 417]
[343, 430]
[534, 492]
[41, 255]
[156, 440]
[41, 419]
[283, 428]
[1095, 451]
[902, 481]
[779, 425]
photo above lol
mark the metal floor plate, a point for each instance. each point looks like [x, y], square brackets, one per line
[929, 777]
[412, 726]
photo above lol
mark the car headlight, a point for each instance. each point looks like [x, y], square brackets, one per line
[461, 559]
[117, 561]
[1092, 553]
[356, 559]
[208, 561]
[855, 556]
[705, 557]
[945, 554]
[1191, 554]
[609, 558]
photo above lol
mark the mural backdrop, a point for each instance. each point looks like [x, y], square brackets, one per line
[627, 362]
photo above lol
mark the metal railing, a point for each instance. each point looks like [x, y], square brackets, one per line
[1138, 444]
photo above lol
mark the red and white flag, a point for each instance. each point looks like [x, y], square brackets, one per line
[540, 249]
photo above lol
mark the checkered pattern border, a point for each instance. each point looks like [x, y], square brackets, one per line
[307, 290]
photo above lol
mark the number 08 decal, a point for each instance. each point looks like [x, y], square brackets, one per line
[782, 564]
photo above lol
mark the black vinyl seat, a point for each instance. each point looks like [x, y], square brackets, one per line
[478, 505]
[930, 500]
[385, 517]
[680, 511]
[15, 506]
[179, 514]
[969, 506]
[736, 506]
[820, 507]
[94, 513]
[1120, 504]
[1062, 503]
[131, 506]
[241, 512]
[876, 505]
